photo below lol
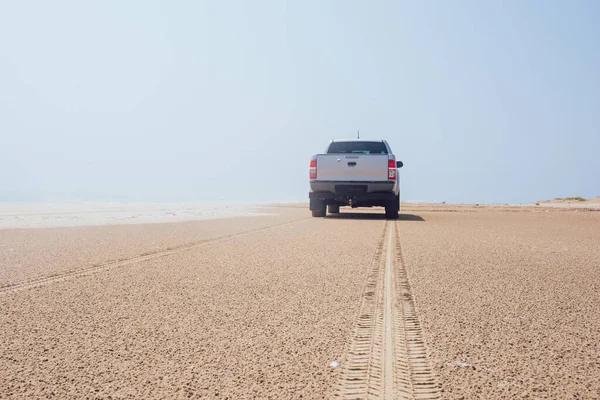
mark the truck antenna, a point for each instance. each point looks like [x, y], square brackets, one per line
[358, 133]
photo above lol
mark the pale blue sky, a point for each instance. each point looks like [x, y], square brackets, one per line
[483, 101]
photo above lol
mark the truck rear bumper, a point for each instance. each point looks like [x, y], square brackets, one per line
[355, 194]
[351, 186]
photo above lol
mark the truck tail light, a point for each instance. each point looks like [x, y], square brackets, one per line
[392, 170]
[313, 169]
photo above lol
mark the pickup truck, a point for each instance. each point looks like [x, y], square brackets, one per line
[356, 173]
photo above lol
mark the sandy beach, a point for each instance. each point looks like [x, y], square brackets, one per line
[501, 301]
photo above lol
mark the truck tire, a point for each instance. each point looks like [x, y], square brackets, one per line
[319, 210]
[319, 213]
[333, 209]
[391, 209]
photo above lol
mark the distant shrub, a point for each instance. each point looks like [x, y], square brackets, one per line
[578, 198]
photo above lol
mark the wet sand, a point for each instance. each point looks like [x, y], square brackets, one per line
[61, 214]
[259, 307]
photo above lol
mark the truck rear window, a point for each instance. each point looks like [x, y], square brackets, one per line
[357, 147]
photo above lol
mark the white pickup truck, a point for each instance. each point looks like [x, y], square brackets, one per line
[356, 173]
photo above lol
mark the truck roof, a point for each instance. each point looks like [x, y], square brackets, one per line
[357, 140]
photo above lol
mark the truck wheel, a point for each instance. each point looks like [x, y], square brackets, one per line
[391, 210]
[333, 209]
[319, 213]
[319, 209]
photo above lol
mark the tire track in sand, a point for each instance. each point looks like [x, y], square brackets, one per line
[415, 378]
[105, 266]
[387, 356]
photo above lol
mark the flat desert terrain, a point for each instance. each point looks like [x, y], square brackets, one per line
[448, 302]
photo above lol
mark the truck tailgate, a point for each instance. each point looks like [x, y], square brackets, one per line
[352, 167]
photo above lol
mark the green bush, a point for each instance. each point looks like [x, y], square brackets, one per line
[578, 198]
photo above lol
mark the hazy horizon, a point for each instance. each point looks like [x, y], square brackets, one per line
[226, 101]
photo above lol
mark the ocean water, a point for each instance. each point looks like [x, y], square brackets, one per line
[43, 215]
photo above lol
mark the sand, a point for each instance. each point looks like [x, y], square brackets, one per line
[595, 202]
[258, 315]
[259, 307]
[509, 301]
[27, 254]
